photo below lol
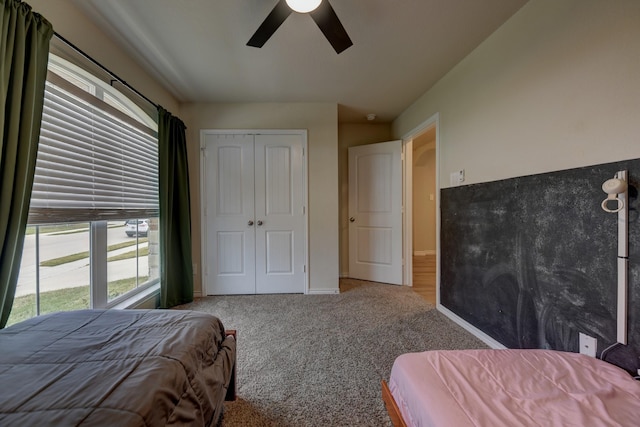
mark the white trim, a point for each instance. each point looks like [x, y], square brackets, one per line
[407, 179]
[323, 291]
[203, 243]
[424, 253]
[98, 264]
[344, 275]
[407, 207]
[253, 132]
[305, 188]
[623, 260]
[305, 198]
[470, 328]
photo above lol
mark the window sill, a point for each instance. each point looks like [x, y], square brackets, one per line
[148, 298]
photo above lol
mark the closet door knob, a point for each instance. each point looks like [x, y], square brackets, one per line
[352, 219]
[250, 223]
[259, 222]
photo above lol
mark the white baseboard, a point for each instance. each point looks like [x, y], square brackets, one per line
[424, 253]
[323, 291]
[470, 328]
[197, 294]
[344, 274]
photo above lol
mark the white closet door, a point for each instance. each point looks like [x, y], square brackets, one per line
[254, 214]
[229, 214]
[280, 215]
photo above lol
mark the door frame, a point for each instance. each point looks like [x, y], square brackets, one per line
[407, 199]
[305, 189]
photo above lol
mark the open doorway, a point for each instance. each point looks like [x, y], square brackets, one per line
[424, 214]
[421, 202]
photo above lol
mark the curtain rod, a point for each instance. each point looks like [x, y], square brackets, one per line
[87, 56]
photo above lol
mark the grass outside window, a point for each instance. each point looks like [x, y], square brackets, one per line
[82, 255]
[76, 298]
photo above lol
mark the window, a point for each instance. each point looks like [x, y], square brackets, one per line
[92, 237]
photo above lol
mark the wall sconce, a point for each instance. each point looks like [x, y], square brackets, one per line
[618, 190]
[613, 187]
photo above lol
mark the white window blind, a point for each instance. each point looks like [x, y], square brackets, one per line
[94, 162]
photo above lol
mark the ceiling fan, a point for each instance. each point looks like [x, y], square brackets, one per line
[319, 10]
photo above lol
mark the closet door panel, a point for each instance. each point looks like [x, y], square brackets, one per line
[229, 214]
[279, 204]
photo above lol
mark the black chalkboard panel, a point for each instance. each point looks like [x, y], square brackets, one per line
[532, 261]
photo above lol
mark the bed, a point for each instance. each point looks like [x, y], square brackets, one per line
[509, 388]
[116, 367]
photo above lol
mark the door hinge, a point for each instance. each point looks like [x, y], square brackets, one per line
[304, 268]
[304, 210]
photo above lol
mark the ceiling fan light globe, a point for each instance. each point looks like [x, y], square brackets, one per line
[303, 6]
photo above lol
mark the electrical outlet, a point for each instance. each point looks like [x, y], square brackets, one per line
[588, 345]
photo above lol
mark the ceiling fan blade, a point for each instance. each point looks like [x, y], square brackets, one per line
[271, 23]
[331, 26]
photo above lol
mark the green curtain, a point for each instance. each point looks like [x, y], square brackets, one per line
[24, 51]
[176, 270]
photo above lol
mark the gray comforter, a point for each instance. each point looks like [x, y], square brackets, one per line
[115, 368]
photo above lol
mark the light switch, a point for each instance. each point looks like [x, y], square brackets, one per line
[453, 179]
[456, 178]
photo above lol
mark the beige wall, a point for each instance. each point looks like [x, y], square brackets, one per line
[556, 87]
[319, 119]
[321, 122]
[73, 26]
[351, 135]
[424, 189]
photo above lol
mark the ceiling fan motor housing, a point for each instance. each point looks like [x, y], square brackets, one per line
[323, 15]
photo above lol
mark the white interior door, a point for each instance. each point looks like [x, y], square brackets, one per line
[375, 212]
[280, 225]
[229, 214]
[255, 215]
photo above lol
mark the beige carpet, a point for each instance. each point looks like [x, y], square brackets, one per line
[317, 360]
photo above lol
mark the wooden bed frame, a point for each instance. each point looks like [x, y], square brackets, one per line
[231, 390]
[392, 407]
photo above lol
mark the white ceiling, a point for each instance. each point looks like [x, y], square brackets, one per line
[197, 49]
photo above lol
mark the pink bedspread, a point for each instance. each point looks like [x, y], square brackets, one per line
[512, 388]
